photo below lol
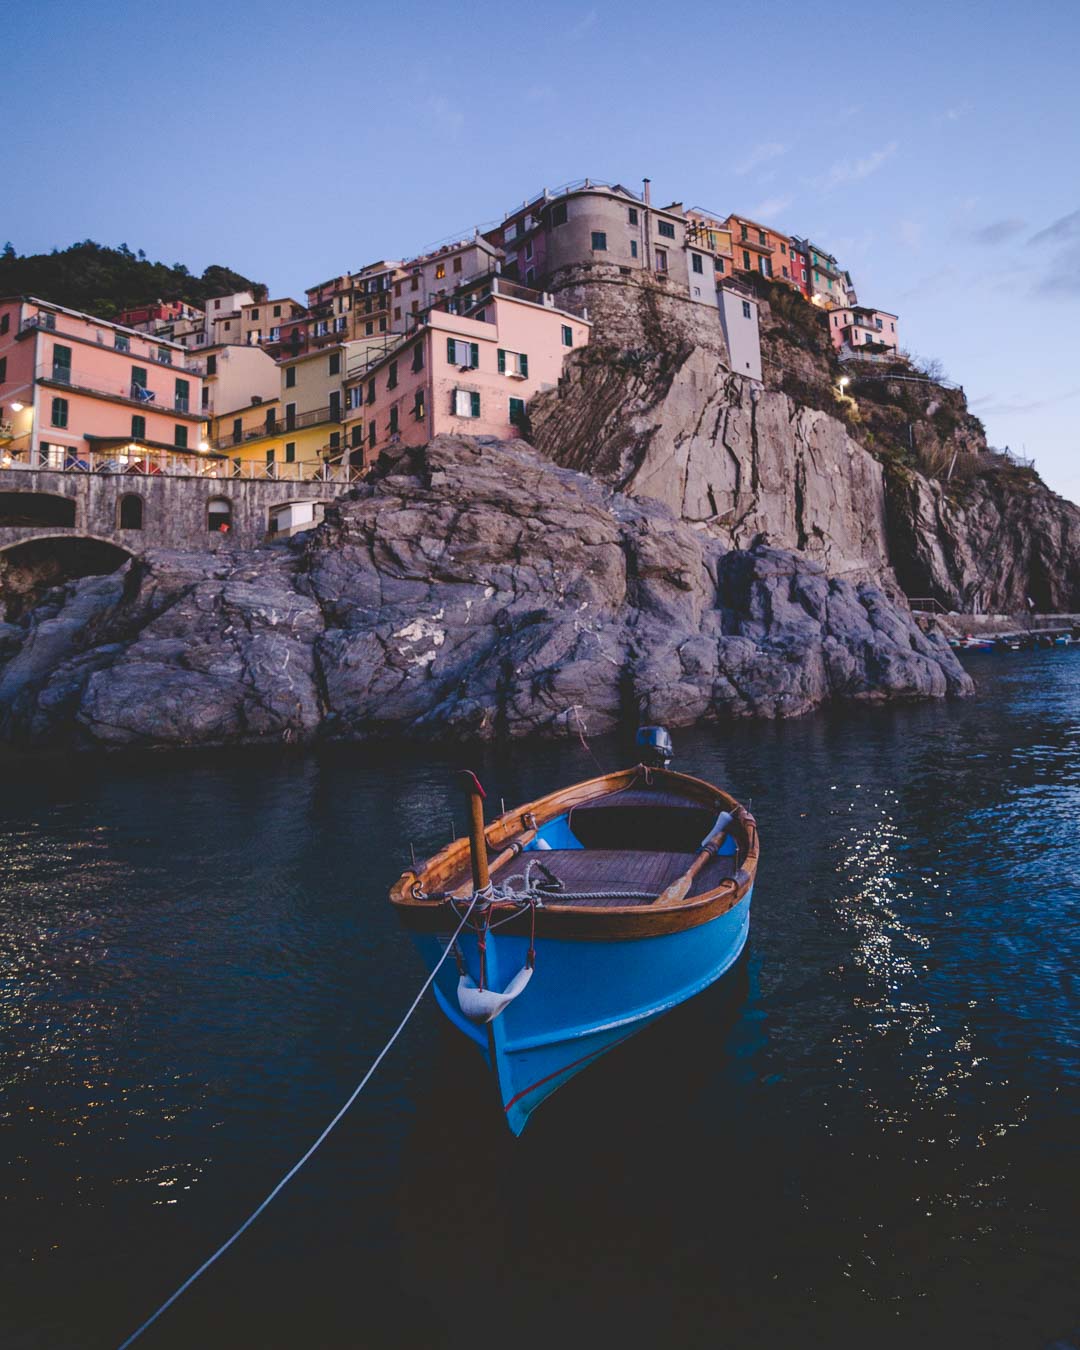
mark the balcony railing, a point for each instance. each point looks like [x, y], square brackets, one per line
[155, 463]
[281, 426]
[89, 382]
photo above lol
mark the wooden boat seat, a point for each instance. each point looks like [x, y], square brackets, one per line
[644, 819]
[620, 870]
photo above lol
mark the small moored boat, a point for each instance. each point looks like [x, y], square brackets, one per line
[591, 912]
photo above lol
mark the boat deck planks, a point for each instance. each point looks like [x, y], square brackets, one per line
[602, 869]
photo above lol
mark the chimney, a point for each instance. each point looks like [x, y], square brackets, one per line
[647, 182]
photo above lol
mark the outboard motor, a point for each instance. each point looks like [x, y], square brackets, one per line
[655, 746]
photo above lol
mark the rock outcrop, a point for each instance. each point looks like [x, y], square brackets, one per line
[895, 485]
[465, 590]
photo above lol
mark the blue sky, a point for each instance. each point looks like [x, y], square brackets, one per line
[933, 148]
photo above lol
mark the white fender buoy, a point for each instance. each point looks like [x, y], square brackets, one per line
[484, 1005]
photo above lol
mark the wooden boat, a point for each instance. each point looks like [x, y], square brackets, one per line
[597, 909]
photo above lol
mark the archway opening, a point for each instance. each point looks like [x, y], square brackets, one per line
[219, 515]
[36, 508]
[130, 515]
[28, 570]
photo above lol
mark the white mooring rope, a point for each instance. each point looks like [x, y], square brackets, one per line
[297, 1166]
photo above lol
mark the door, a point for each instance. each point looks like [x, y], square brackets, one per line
[61, 364]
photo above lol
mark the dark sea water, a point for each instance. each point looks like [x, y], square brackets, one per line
[865, 1135]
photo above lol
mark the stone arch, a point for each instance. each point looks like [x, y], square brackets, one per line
[130, 512]
[290, 517]
[219, 515]
[30, 566]
[50, 509]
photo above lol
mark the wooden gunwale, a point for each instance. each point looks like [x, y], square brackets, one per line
[612, 923]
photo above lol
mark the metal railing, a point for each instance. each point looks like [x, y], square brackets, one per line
[155, 463]
[282, 425]
[85, 382]
[926, 604]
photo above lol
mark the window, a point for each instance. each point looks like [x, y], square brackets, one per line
[219, 515]
[466, 403]
[418, 357]
[665, 229]
[397, 288]
[391, 375]
[440, 271]
[182, 396]
[558, 214]
[783, 250]
[5, 323]
[211, 365]
[369, 328]
[567, 335]
[392, 425]
[599, 241]
[59, 412]
[356, 396]
[804, 274]
[180, 438]
[745, 233]
[138, 428]
[335, 405]
[333, 364]
[746, 261]
[530, 276]
[164, 356]
[371, 434]
[290, 377]
[121, 342]
[785, 271]
[746, 310]
[228, 325]
[271, 456]
[766, 266]
[414, 284]
[631, 215]
[277, 311]
[513, 363]
[720, 266]
[761, 236]
[382, 322]
[418, 405]
[661, 260]
[459, 353]
[254, 313]
[290, 452]
[510, 232]
[356, 435]
[3, 369]
[131, 512]
[335, 440]
[517, 412]
[341, 325]
[696, 263]
[457, 264]
[371, 390]
[290, 415]
[633, 248]
[61, 365]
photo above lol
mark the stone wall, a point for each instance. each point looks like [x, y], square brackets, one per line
[174, 507]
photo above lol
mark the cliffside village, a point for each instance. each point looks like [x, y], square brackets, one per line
[458, 339]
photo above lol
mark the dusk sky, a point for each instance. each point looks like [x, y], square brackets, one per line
[934, 149]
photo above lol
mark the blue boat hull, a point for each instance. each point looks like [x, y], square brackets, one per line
[584, 997]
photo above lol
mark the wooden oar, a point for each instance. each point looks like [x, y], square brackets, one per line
[680, 887]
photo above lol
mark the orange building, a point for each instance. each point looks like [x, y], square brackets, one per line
[757, 248]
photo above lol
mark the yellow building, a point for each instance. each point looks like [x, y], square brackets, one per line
[712, 235]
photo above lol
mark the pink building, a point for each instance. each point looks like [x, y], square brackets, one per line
[70, 384]
[856, 328]
[471, 373]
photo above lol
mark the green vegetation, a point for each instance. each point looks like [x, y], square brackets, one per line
[104, 281]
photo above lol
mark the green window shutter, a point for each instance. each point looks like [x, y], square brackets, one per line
[450, 350]
[502, 361]
[138, 376]
[474, 355]
[474, 401]
[138, 428]
[180, 438]
[523, 364]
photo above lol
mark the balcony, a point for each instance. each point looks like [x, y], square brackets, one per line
[755, 245]
[281, 426]
[135, 395]
[139, 461]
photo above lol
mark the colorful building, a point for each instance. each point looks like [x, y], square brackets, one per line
[799, 264]
[825, 279]
[757, 248]
[71, 384]
[709, 232]
[431, 277]
[739, 320]
[858, 328]
[235, 376]
[470, 373]
[261, 320]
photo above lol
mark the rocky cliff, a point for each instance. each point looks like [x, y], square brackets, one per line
[464, 590]
[892, 481]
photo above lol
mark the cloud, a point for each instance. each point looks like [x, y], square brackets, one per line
[847, 171]
[771, 206]
[1060, 232]
[955, 113]
[761, 154]
[999, 231]
[587, 21]
[990, 405]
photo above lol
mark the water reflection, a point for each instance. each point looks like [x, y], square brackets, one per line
[869, 1129]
